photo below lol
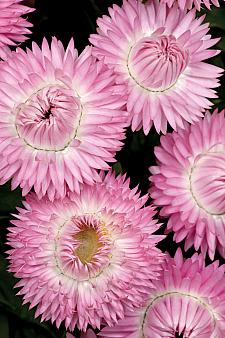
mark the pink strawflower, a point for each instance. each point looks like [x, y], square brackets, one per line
[159, 52]
[86, 259]
[13, 27]
[188, 301]
[188, 4]
[61, 118]
[189, 183]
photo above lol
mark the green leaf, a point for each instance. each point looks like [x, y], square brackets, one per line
[9, 199]
[4, 326]
[216, 17]
[221, 44]
[117, 167]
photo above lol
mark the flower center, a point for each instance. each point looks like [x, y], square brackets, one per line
[89, 244]
[83, 247]
[207, 182]
[49, 119]
[155, 63]
[47, 114]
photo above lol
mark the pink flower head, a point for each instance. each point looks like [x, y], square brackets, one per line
[13, 26]
[188, 301]
[188, 4]
[61, 118]
[159, 52]
[86, 258]
[189, 183]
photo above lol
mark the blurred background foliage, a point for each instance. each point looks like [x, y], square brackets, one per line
[77, 19]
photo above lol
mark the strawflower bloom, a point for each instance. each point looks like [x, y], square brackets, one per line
[188, 301]
[61, 119]
[189, 183]
[159, 53]
[13, 26]
[87, 258]
[188, 4]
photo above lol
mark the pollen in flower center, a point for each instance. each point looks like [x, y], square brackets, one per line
[155, 63]
[49, 119]
[207, 182]
[89, 244]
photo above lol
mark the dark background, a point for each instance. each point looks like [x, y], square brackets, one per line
[66, 19]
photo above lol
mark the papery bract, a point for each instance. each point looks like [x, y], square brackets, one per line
[188, 4]
[13, 27]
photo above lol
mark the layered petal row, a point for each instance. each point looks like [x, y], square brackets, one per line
[188, 4]
[13, 26]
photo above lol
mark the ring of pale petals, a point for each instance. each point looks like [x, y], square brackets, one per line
[138, 83]
[20, 107]
[56, 250]
[196, 298]
[193, 195]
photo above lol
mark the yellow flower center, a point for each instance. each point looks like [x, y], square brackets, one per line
[89, 244]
